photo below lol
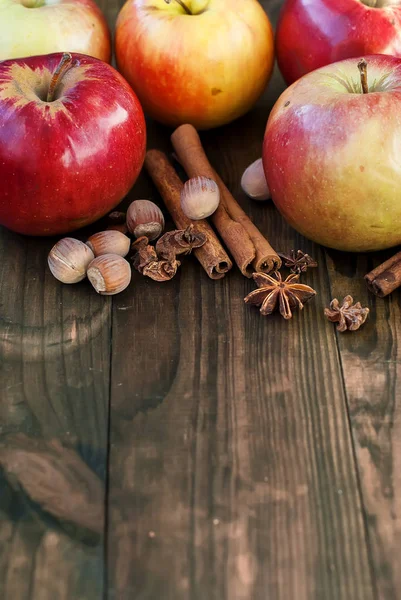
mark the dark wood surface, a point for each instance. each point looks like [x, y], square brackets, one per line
[172, 444]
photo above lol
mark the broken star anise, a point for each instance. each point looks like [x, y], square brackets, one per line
[348, 315]
[146, 261]
[180, 241]
[144, 253]
[275, 293]
[298, 262]
[161, 270]
[161, 263]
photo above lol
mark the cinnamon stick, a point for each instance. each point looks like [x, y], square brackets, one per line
[386, 277]
[249, 248]
[212, 256]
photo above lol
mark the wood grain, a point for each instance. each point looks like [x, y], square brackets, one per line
[54, 369]
[249, 457]
[371, 365]
[232, 474]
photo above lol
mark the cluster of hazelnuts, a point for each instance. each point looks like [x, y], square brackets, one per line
[102, 257]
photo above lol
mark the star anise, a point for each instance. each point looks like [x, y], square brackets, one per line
[348, 315]
[275, 293]
[298, 261]
[180, 241]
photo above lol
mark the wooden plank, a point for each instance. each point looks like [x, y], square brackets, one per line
[231, 468]
[232, 473]
[371, 363]
[54, 368]
[55, 364]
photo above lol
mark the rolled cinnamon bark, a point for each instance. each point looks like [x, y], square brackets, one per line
[212, 256]
[386, 277]
[249, 248]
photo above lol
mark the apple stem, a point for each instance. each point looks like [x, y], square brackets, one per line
[181, 3]
[363, 70]
[64, 65]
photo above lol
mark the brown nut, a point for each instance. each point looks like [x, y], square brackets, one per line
[109, 242]
[69, 259]
[144, 218]
[109, 274]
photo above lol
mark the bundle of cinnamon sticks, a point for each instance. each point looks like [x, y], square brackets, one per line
[250, 250]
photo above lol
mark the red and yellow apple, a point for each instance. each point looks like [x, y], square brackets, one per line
[72, 142]
[331, 155]
[203, 62]
[32, 27]
[314, 33]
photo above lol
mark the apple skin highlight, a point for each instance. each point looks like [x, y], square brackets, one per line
[66, 163]
[314, 33]
[332, 156]
[206, 69]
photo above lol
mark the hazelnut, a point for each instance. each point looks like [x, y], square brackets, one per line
[144, 218]
[109, 274]
[200, 197]
[109, 242]
[69, 259]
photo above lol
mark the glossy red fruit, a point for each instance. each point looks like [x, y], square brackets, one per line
[65, 163]
[314, 33]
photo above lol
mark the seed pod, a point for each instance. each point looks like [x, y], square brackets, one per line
[254, 182]
[144, 218]
[109, 242]
[69, 259]
[109, 274]
[200, 197]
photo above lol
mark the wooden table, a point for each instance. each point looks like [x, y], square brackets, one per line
[171, 444]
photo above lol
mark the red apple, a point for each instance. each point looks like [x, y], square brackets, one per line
[331, 155]
[68, 157]
[32, 27]
[314, 33]
[204, 62]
